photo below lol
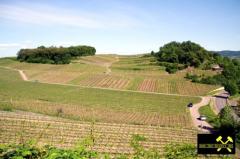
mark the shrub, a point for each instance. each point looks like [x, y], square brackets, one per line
[180, 151]
[231, 87]
[6, 106]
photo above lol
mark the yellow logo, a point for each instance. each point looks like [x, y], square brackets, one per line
[229, 139]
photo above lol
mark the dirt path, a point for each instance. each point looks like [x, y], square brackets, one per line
[22, 74]
[194, 111]
[108, 65]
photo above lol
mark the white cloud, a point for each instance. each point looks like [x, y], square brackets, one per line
[46, 15]
[8, 46]
[5, 46]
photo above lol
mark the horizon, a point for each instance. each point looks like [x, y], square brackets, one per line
[118, 27]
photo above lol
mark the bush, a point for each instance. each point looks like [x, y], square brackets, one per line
[180, 151]
[30, 150]
[6, 107]
[193, 77]
[231, 87]
[172, 67]
[228, 123]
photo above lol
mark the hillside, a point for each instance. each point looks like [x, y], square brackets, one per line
[111, 97]
[114, 114]
[136, 73]
[229, 53]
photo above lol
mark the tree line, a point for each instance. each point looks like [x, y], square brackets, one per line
[54, 55]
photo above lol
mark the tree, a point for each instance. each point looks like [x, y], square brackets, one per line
[231, 87]
[152, 53]
[228, 123]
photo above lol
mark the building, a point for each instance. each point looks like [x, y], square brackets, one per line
[216, 67]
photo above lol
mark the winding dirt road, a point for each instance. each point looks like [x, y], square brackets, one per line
[200, 125]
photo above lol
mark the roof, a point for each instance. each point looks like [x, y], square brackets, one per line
[233, 103]
[216, 66]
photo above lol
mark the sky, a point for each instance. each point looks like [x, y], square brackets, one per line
[118, 26]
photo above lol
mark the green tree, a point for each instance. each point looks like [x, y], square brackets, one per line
[187, 53]
[231, 87]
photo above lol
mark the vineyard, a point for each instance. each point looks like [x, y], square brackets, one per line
[84, 113]
[110, 71]
[105, 81]
[63, 104]
[87, 103]
[173, 87]
[112, 138]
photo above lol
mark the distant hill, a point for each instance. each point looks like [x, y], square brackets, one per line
[228, 53]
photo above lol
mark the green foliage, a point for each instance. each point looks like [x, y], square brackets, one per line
[180, 151]
[30, 150]
[224, 122]
[172, 67]
[211, 117]
[231, 87]
[229, 77]
[193, 77]
[140, 152]
[6, 106]
[187, 52]
[228, 123]
[54, 55]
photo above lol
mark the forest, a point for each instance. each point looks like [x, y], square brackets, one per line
[54, 55]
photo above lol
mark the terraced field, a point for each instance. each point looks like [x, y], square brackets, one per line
[110, 71]
[105, 81]
[112, 138]
[92, 103]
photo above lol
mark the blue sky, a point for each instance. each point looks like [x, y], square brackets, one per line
[118, 26]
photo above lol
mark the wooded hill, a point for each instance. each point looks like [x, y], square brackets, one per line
[175, 56]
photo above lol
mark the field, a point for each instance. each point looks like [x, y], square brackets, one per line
[112, 138]
[106, 96]
[78, 102]
[135, 73]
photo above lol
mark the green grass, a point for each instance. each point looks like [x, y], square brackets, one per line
[134, 83]
[6, 107]
[235, 97]
[212, 118]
